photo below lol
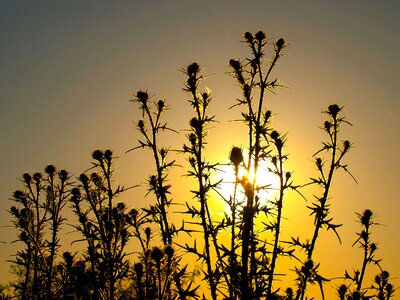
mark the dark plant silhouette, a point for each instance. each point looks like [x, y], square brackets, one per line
[104, 226]
[237, 253]
[37, 218]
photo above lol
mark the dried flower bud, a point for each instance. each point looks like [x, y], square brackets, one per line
[108, 154]
[260, 36]
[121, 206]
[153, 180]
[274, 135]
[133, 213]
[148, 233]
[373, 247]
[193, 68]
[157, 254]
[50, 169]
[236, 156]
[63, 175]
[169, 251]
[235, 64]
[346, 145]
[249, 37]
[333, 110]
[192, 139]
[280, 43]
[83, 178]
[327, 126]
[267, 115]
[142, 96]
[194, 123]
[27, 178]
[288, 175]
[37, 177]
[160, 105]
[309, 264]
[97, 155]
[140, 124]
[366, 217]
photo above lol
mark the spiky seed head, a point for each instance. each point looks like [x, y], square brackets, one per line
[327, 126]
[378, 279]
[356, 295]
[274, 135]
[194, 123]
[333, 110]
[274, 160]
[148, 232]
[157, 254]
[18, 194]
[37, 176]
[342, 289]
[366, 217]
[235, 64]
[142, 96]
[50, 169]
[133, 212]
[236, 156]
[63, 175]
[309, 264]
[193, 68]
[288, 175]
[169, 251]
[121, 206]
[246, 90]
[83, 178]
[260, 36]
[280, 43]
[385, 274]
[27, 178]
[97, 155]
[249, 37]
[108, 154]
[140, 124]
[160, 105]
[267, 115]
[192, 138]
[346, 144]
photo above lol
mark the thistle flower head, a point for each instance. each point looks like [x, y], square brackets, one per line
[236, 156]
[50, 169]
[157, 254]
[97, 155]
[63, 175]
[260, 36]
[249, 37]
[192, 69]
[280, 43]
[142, 97]
[333, 110]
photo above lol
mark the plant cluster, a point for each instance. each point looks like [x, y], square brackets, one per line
[238, 253]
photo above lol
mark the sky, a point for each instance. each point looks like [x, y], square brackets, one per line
[69, 68]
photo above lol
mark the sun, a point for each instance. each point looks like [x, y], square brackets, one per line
[264, 181]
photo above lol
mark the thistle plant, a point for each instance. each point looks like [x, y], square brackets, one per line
[38, 219]
[254, 79]
[384, 289]
[201, 170]
[150, 127]
[320, 208]
[103, 225]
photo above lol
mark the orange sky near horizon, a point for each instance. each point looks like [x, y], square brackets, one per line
[69, 69]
